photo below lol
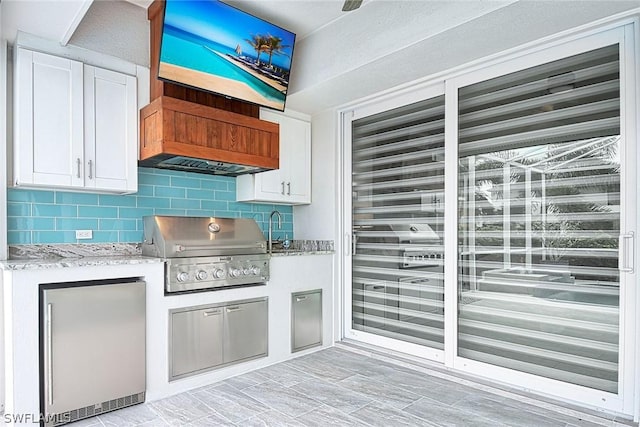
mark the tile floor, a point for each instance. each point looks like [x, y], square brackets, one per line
[340, 387]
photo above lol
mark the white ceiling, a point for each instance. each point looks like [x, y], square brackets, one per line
[339, 57]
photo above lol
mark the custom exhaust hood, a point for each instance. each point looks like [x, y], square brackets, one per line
[181, 135]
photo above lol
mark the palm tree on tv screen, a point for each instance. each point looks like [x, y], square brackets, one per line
[274, 46]
[259, 43]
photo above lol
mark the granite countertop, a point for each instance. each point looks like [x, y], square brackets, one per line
[46, 263]
[39, 257]
[303, 247]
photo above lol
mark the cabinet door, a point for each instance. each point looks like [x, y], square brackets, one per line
[48, 131]
[291, 183]
[270, 186]
[196, 340]
[245, 331]
[306, 320]
[110, 130]
[295, 146]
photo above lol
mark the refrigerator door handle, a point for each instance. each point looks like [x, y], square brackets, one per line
[49, 356]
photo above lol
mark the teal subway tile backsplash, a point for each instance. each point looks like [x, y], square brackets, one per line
[31, 196]
[153, 179]
[54, 211]
[185, 204]
[18, 209]
[76, 224]
[154, 202]
[109, 200]
[201, 194]
[36, 216]
[30, 223]
[97, 212]
[118, 224]
[176, 192]
[67, 198]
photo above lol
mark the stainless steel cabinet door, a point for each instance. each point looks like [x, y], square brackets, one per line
[196, 340]
[306, 320]
[246, 331]
[94, 344]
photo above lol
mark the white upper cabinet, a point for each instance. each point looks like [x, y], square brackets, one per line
[110, 130]
[291, 183]
[75, 125]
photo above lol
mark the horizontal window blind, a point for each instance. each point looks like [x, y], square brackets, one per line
[398, 206]
[539, 220]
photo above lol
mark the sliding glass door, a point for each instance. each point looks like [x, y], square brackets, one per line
[398, 205]
[525, 272]
[539, 220]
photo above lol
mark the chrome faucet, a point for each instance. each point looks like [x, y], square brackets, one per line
[271, 227]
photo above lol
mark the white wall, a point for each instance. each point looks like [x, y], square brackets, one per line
[117, 28]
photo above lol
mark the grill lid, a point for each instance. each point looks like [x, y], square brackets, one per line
[181, 237]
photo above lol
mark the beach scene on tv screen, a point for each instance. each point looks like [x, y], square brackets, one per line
[215, 47]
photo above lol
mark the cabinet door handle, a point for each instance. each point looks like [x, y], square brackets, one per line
[90, 169]
[211, 313]
[49, 356]
[298, 299]
[232, 309]
[282, 192]
[79, 162]
[288, 188]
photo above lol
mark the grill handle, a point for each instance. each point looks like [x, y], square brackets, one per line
[188, 248]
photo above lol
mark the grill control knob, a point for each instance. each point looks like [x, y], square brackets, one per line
[218, 273]
[255, 270]
[183, 276]
[201, 275]
[235, 272]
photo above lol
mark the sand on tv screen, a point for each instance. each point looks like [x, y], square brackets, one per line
[215, 47]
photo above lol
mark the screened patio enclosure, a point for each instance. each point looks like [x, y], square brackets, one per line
[538, 260]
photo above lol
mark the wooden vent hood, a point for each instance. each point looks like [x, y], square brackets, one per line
[176, 134]
[191, 130]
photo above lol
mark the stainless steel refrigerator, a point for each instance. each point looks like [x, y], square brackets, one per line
[92, 348]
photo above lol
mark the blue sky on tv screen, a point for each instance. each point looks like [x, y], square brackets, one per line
[226, 25]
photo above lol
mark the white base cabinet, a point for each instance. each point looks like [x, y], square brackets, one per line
[291, 183]
[75, 125]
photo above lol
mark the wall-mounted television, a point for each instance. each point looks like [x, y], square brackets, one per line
[209, 45]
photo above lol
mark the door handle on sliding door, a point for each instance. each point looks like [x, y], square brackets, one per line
[349, 244]
[626, 263]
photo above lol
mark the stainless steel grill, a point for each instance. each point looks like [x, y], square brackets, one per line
[207, 253]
